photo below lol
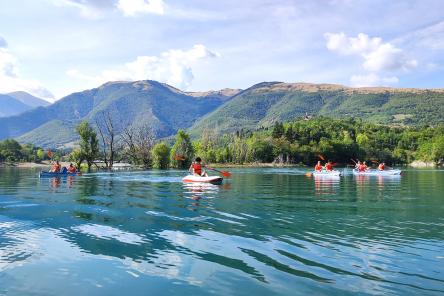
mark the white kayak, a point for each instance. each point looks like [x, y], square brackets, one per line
[327, 173]
[197, 179]
[378, 173]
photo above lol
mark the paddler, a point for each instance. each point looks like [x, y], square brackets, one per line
[71, 169]
[196, 168]
[328, 166]
[381, 166]
[318, 166]
[362, 167]
[56, 167]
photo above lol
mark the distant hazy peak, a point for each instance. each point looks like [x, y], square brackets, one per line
[28, 99]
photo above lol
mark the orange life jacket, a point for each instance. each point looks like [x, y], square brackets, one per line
[197, 168]
[56, 168]
[71, 169]
[362, 168]
[381, 167]
[318, 167]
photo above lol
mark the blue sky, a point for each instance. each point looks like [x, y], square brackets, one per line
[52, 48]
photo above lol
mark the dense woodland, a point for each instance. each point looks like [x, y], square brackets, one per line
[294, 142]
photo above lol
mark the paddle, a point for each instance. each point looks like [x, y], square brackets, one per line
[223, 173]
[177, 157]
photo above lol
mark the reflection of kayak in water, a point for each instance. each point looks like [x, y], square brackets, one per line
[378, 173]
[52, 174]
[197, 179]
[326, 174]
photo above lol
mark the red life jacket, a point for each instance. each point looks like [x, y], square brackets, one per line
[328, 167]
[56, 168]
[362, 168]
[71, 169]
[318, 167]
[197, 168]
[381, 167]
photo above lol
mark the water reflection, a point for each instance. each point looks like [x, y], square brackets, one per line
[326, 185]
[259, 233]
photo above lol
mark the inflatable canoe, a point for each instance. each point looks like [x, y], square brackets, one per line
[378, 173]
[212, 179]
[327, 174]
[44, 174]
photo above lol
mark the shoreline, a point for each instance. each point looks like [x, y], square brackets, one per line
[118, 166]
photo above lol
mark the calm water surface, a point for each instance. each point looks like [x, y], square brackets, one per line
[263, 232]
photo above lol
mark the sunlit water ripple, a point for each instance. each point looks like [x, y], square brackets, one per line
[266, 231]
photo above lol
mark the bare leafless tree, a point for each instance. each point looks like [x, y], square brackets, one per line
[138, 141]
[109, 138]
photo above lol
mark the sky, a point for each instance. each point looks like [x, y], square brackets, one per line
[51, 48]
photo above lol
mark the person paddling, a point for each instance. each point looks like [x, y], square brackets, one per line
[71, 168]
[196, 168]
[381, 166]
[329, 166]
[318, 167]
[362, 167]
[56, 167]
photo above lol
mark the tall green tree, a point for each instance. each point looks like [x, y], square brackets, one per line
[182, 152]
[89, 145]
[161, 156]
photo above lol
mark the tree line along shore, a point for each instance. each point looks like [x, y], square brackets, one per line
[298, 142]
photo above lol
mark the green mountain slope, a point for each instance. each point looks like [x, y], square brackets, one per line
[45, 134]
[268, 102]
[164, 108]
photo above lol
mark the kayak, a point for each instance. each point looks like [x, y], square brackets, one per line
[44, 174]
[197, 179]
[378, 173]
[327, 174]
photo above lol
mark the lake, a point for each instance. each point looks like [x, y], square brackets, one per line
[263, 232]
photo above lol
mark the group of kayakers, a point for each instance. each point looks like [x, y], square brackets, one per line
[57, 168]
[359, 166]
[362, 166]
[328, 166]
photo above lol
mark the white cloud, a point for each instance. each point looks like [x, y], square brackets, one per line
[430, 37]
[377, 55]
[134, 7]
[88, 9]
[10, 79]
[173, 67]
[94, 9]
[372, 79]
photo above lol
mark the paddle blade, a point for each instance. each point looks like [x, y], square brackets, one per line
[308, 174]
[334, 164]
[321, 157]
[49, 153]
[225, 173]
[177, 157]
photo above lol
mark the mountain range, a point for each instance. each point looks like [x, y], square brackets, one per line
[166, 109]
[18, 102]
[146, 103]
